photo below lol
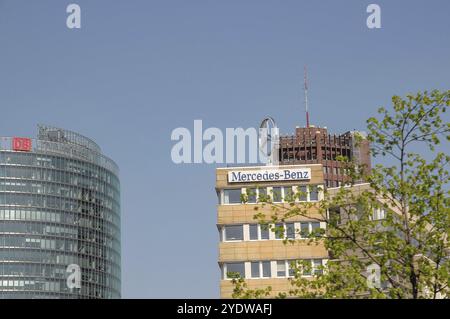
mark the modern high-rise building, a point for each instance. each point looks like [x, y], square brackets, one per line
[314, 145]
[59, 218]
[253, 251]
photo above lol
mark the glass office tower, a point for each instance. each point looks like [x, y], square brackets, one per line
[59, 218]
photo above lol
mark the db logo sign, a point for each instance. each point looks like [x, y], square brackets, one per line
[21, 144]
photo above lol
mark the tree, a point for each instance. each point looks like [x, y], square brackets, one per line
[389, 237]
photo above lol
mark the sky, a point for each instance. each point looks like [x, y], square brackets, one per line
[136, 70]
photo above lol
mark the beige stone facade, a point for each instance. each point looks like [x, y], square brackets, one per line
[261, 259]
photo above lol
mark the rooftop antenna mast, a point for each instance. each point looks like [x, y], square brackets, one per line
[306, 96]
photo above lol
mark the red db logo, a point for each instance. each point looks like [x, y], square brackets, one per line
[21, 144]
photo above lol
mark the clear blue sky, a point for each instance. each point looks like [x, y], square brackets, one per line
[138, 69]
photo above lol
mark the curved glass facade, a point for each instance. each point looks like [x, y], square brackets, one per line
[59, 206]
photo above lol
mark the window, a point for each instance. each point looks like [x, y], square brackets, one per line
[290, 231]
[292, 265]
[264, 232]
[266, 269]
[253, 232]
[233, 232]
[288, 194]
[306, 265]
[312, 267]
[231, 196]
[302, 194]
[314, 227]
[317, 264]
[262, 194]
[335, 215]
[279, 231]
[263, 269]
[235, 269]
[251, 195]
[313, 193]
[255, 269]
[281, 268]
[378, 214]
[276, 195]
[260, 269]
[304, 230]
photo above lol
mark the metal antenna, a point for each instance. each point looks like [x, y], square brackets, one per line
[306, 97]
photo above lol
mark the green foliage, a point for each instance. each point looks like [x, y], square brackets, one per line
[241, 290]
[410, 244]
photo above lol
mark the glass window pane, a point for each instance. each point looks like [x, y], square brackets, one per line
[232, 196]
[253, 232]
[378, 214]
[288, 194]
[266, 269]
[281, 268]
[307, 271]
[313, 193]
[251, 195]
[255, 269]
[234, 232]
[264, 232]
[290, 231]
[262, 194]
[236, 268]
[291, 268]
[302, 195]
[276, 193]
[314, 227]
[279, 230]
[304, 230]
[317, 263]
